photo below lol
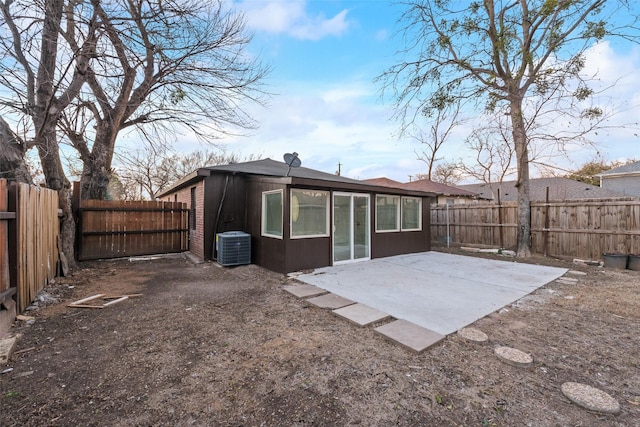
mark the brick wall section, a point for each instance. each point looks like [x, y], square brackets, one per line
[196, 237]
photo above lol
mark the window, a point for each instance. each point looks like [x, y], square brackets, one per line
[272, 214]
[192, 210]
[387, 213]
[411, 214]
[309, 213]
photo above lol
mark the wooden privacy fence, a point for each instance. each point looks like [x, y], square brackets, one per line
[113, 229]
[571, 228]
[29, 243]
[7, 305]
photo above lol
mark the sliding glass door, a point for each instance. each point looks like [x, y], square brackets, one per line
[351, 227]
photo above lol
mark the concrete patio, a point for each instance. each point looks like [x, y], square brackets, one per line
[439, 292]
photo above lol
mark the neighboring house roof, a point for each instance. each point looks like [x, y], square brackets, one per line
[439, 188]
[384, 182]
[423, 185]
[628, 169]
[559, 189]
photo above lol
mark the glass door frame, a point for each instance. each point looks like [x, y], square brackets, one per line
[352, 227]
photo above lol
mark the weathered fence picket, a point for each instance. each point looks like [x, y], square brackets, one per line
[113, 229]
[566, 228]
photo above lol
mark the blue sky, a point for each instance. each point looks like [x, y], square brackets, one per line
[326, 106]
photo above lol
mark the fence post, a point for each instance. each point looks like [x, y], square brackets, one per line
[4, 243]
[546, 226]
[500, 225]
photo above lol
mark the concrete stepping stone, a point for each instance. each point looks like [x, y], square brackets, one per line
[514, 357]
[590, 398]
[330, 301]
[304, 291]
[410, 335]
[473, 335]
[361, 314]
[567, 280]
[576, 273]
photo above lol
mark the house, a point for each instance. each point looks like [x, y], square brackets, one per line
[559, 189]
[299, 218]
[444, 193]
[624, 179]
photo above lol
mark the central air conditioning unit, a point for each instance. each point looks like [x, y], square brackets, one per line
[234, 248]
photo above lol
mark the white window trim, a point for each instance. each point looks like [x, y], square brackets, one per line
[327, 216]
[398, 214]
[264, 216]
[419, 213]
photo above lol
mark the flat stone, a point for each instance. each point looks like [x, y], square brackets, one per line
[514, 357]
[576, 273]
[474, 335]
[590, 398]
[567, 280]
[330, 301]
[7, 346]
[361, 314]
[410, 335]
[304, 291]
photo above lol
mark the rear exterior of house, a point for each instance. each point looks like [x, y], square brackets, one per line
[300, 218]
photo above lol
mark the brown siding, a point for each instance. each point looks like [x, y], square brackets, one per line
[267, 252]
[401, 242]
[303, 254]
[225, 206]
[242, 211]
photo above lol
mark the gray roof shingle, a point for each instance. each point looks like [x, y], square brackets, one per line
[625, 169]
[269, 167]
[559, 189]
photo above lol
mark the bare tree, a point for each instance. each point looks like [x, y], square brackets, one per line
[443, 121]
[13, 164]
[39, 87]
[449, 173]
[144, 173]
[499, 54]
[165, 66]
[147, 172]
[493, 153]
[93, 68]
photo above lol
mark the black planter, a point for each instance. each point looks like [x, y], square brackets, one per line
[618, 261]
[634, 262]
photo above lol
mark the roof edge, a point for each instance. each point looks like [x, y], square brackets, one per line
[193, 177]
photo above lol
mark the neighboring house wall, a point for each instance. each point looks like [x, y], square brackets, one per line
[627, 185]
[444, 199]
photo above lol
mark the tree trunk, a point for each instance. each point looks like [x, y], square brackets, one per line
[45, 116]
[12, 161]
[523, 249]
[96, 170]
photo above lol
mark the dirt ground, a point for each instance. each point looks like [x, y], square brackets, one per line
[206, 345]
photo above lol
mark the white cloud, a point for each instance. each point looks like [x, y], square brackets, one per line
[292, 17]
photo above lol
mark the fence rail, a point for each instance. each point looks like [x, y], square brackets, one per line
[113, 229]
[577, 228]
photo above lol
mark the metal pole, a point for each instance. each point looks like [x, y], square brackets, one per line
[448, 229]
